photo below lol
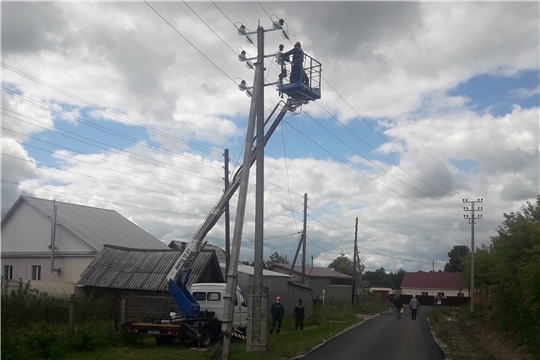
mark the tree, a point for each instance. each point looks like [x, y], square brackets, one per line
[397, 277]
[342, 264]
[508, 272]
[379, 278]
[275, 258]
[456, 255]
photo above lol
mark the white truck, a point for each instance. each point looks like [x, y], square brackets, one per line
[202, 327]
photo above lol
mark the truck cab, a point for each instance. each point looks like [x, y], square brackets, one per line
[210, 297]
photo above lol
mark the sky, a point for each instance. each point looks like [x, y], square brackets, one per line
[129, 106]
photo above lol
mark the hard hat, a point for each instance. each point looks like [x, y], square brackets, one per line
[297, 43]
[278, 298]
[414, 296]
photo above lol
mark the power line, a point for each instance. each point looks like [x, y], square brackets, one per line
[102, 109]
[189, 42]
[113, 162]
[106, 201]
[386, 172]
[369, 177]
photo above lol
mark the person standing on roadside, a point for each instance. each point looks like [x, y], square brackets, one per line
[299, 313]
[414, 304]
[277, 312]
[398, 305]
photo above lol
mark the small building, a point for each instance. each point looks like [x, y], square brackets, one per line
[137, 279]
[334, 286]
[278, 284]
[429, 286]
[80, 232]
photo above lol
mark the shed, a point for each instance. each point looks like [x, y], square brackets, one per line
[278, 284]
[335, 286]
[137, 278]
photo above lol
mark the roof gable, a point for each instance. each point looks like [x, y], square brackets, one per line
[431, 280]
[143, 269]
[95, 227]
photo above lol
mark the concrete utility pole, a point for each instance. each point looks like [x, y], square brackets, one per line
[228, 309]
[471, 221]
[258, 295]
[304, 237]
[257, 331]
[354, 264]
[227, 214]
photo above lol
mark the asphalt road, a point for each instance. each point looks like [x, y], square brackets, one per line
[383, 337]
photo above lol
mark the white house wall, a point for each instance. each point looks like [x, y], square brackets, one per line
[430, 292]
[22, 267]
[29, 231]
[74, 267]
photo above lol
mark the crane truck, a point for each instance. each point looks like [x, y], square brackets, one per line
[201, 306]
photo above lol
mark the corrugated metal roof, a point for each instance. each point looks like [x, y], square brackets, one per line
[431, 280]
[315, 271]
[138, 269]
[181, 245]
[96, 226]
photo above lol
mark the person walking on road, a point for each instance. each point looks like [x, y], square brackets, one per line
[299, 313]
[398, 305]
[277, 312]
[414, 304]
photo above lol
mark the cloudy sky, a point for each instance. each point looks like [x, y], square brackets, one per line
[129, 106]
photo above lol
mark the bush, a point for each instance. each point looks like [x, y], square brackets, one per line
[92, 335]
[25, 305]
[46, 341]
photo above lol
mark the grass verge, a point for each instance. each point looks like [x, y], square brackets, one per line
[322, 325]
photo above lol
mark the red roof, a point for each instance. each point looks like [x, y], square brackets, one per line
[315, 271]
[431, 280]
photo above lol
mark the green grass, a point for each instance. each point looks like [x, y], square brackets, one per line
[320, 326]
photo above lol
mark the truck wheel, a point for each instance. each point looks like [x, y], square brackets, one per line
[165, 340]
[206, 338]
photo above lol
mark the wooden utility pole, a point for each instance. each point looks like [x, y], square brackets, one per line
[354, 264]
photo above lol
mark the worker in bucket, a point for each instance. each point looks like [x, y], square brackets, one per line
[297, 61]
[277, 312]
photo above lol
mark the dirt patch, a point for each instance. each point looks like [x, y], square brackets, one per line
[474, 339]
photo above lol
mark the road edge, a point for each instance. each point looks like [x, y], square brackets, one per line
[366, 318]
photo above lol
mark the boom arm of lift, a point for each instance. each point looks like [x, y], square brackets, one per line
[183, 298]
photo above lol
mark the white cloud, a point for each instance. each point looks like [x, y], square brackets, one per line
[393, 63]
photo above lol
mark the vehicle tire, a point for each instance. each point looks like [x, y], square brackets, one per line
[206, 338]
[165, 340]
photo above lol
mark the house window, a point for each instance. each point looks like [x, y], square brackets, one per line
[36, 272]
[8, 272]
[460, 294]
[424, 293]
[440, 294]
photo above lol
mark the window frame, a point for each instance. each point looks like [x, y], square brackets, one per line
[7, 272]
[35, 272]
